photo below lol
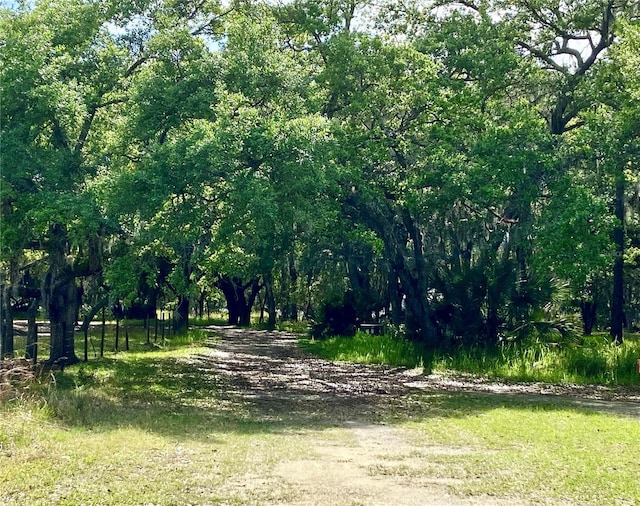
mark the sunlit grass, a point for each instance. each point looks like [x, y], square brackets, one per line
[132, 337]
[140, 427]
[367, 349]
[545, 453]
[215, 318]
[297, 327]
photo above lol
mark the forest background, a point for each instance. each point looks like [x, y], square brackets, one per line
[466, 172]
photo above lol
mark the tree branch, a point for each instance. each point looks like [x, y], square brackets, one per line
[201, 29]
[543, 56]
[140, 61]
[84, 131]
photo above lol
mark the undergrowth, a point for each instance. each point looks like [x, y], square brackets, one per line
[593, 360]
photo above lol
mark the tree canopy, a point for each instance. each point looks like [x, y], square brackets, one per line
[464, 170]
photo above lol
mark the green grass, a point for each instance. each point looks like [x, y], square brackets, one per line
[367, 349]
[543, 452]
[217, 318]
[298, 327]
[137, 340]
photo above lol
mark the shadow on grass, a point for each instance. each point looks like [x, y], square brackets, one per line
[252, 382]
[168, 396]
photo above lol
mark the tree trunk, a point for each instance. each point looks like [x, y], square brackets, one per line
[95, 309]
[31, 350]
[247, 306]
[126, 334]
[617, 295]
[395, 298]
[492, 323]
[181, 315]
[62, 308]
[229, 290]
[588, 312]
[420, 326]
[285, 292]
[87, 321]
[403, 243]
[628, 321]
[201, 301]
[238, 305]
[7, 344]
[271, 303]
[244, 311]
[420, 323]
[61, 299]
[293, 272]
[117, 343]
[102, 331]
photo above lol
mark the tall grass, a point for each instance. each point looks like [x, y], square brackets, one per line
[591, 360]
[368, 349]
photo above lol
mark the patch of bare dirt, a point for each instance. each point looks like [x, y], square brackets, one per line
[370, 463]
[272, 376]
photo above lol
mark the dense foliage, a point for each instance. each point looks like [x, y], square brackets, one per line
[466, 172]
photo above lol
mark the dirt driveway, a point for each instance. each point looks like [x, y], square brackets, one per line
[367, 461]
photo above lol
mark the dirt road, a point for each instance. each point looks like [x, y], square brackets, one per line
[358, 457]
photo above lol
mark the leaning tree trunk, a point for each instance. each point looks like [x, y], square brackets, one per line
[95, 309]
[395, 226]
[245, 313]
